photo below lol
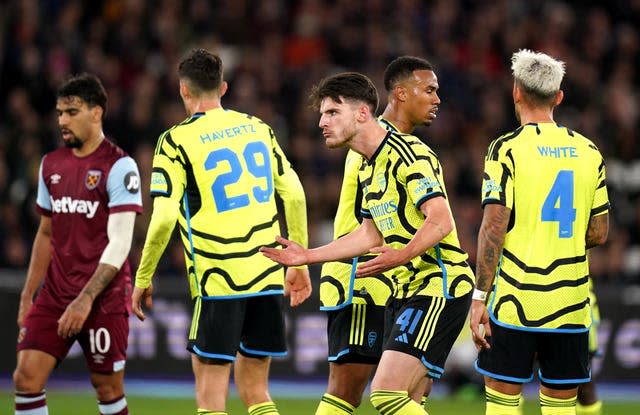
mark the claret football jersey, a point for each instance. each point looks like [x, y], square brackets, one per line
[79, 193]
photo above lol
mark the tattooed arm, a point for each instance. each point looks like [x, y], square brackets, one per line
[597, 231]
[120, 232]
[490, 243]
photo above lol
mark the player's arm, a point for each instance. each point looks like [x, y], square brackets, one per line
[438, 223]
[163, 221]
[597, 231]
[120, 233]
[356, 243]
[490, 243]
[297, 283]
[38, 264]
[289, 188]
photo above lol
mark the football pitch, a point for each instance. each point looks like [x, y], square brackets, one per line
[63, 402]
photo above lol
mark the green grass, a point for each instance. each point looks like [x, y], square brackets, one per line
[70, 403]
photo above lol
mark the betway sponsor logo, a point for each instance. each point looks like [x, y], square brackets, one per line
[69, 205]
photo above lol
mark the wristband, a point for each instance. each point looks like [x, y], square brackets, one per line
[479, 295]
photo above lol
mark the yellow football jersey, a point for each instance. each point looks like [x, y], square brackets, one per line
[553, 180]
[225, 168]
[338, 284]
[402, 174]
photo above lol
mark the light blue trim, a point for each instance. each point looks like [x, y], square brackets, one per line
[490, 198]
[43, 196]
[236, 296]
[563, 381]
[501, 377]
[338, 356]
[445, 291]
[116, 186]
[534, 329]
[260, 352]
[434, 371]
[190, 237]
[156, 193]
[213, 355]
[422, 199]
[349, 300]
[333, 307]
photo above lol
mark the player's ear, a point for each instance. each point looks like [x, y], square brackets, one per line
[97, 111]
[223, 88]
[184, 90]
[558, 99]
[363, 112]
[517, 93]
[400, 93]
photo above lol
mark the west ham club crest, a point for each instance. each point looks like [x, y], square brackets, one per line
[92, 179]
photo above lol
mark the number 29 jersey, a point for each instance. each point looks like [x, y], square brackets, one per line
[224, 167]
[553, 181]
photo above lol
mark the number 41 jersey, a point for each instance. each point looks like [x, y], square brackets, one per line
[553, 180]
[224, 168]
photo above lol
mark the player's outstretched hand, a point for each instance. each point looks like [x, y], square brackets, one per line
[291, 255]
[479, 317]
[297, 285]
[139, 296]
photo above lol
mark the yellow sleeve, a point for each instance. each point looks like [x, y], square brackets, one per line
[290, 190]
[167, 188]
[601, 198]
[163, 220]
[497, 182]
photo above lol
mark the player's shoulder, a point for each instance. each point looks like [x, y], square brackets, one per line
[409, 147]
[114, 150]
[580, 139]
[57, 155]
[503, 142]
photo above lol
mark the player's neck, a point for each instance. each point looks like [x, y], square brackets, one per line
[393, 116]
[89, 146]
[204, 105]
[534, 115]
[368, 140]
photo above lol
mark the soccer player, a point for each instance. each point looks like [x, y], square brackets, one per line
[408, 223]
[355, 306]
[217, 173]
[88, 198]
[545, 203]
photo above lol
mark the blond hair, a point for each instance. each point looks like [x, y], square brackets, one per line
[539, 74]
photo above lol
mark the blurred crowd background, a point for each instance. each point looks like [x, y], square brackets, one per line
[275, 50]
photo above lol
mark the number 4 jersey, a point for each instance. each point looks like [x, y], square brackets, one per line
[224, 168]
[553, 180]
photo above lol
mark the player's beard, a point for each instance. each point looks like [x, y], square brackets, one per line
[74, 142]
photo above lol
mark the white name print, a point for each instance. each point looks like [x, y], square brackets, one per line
[69, 205]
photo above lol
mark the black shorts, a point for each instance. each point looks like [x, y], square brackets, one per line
[563, 358]
[425, 327]
[355, 334]
[253, 326]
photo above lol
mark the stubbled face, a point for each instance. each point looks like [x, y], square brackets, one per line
[338, 121]
[421, 100]
[75, 120]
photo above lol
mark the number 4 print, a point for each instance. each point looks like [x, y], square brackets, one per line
[561, 194]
